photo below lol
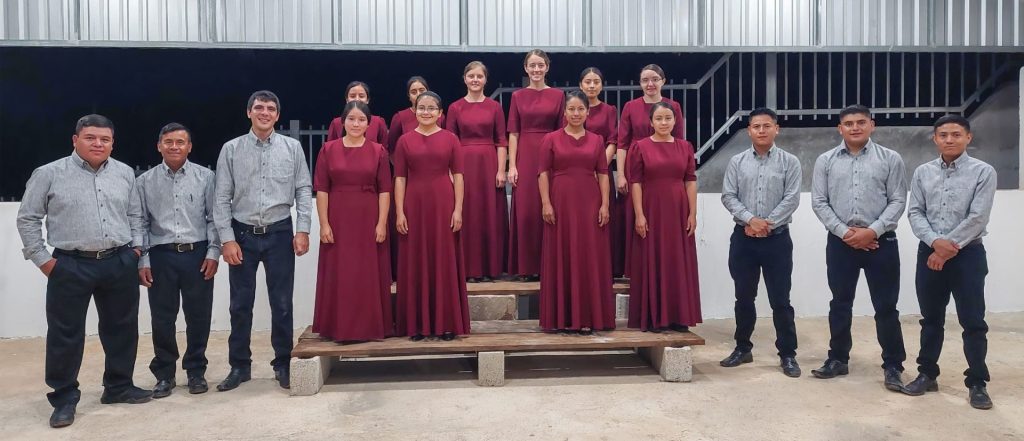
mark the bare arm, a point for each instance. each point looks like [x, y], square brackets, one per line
[513, 147]
[460, 192]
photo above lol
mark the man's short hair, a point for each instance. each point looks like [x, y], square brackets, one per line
[263, 95]
[764, 111]
[174, 127]
[855, 109]
[94, 120]
[952, 119]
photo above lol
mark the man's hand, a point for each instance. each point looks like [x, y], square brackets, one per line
[760, 227]
[936, 262]
[945, 248]
[300, 243]
[146, 277]
[209, 269]
[47, 267]
[232, 252]
[861, 239]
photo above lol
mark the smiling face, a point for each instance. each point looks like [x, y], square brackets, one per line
[651, 82]
[575, 112]
[663, 121]
[428, 110]
[94, 144]
[357, 93]
[356, 123]
[475, 80]
[174, 147]
[415, 89]
[856, 128]
[762, 130]
[952, 140]
[263, 114]
[591, 85]
[536, 68]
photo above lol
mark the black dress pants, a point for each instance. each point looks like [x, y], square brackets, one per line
[177, 282]
[749, 257]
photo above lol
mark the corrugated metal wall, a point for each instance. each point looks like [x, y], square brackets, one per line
[499, 25]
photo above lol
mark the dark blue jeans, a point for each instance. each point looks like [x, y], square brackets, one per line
[113, 284]
[749, 257]
[882, 270]
[274, 250]
[177, 282]
[962, 276]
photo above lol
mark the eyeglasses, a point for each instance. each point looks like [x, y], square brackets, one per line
[650, 80]
[422, 109]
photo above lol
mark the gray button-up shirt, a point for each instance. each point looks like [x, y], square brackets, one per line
[952, 201]
[177, 207]
[868, 189]
[84, 209]
[767, 186]
[258, 181]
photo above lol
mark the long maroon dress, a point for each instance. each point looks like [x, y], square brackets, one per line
[634, 125]
[353, 284]
[576, 273]
[481, 130]
[602, 120]
[376, 131]
[402, 122]
[663, 288]
[431, 273]
[533, 114]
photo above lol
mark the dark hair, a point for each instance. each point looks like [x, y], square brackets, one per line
[174, 127]
[538, 52]
[431, 95]
[577, 95]
[472, 65]
[855, 109]
[421, 80]
[952, 119]
[591, 70]
[357, 84]
[763, 111]
[654, 67]
[94, 120]
[660, 105]
[263, 95]
[356, 105]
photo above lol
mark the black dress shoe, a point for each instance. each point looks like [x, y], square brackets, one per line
[736, 358]
[522, 278]
[790, 367]
[448, 336]
[283, 377]
[586, 331]
[893, 379]
[486, 279]
[534, 278]
[62, 416]
[679, 328]
[132, 395]
[417, 337]
[831, 369]
[472, 280]
[979, 398]
[236, 377]
[163, 388]
[197, 385]
[920, 385]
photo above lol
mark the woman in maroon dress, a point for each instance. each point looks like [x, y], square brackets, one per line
[405, 121]
[428, 197]
[535, 111]
[602, 120]
[352, 181]
[377, 131]
[663, 291]
[634, 125]
[479, 122]
[576, 286]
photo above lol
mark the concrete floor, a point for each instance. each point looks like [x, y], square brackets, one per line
[585, 397]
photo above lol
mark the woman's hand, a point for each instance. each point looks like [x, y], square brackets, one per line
[500, 179]
[691, 224]
[380, 232]
[513, 175]
[456, 221]
[547, 212]
[326, 234]
[620, 183]
[402, 224]
[641, 226]
[603, 216]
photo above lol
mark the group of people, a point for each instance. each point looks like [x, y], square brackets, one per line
[423, 203]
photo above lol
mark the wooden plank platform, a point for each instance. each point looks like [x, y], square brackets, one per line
[505, 335]
[508, 287]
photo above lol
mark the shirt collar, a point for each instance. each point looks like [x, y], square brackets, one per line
[767, 154]
[167, 169]
[843, 148]
[956, 164]
[256, 140]
[81, 162]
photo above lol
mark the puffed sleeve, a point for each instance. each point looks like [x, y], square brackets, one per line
[452, 122]
[401, 170]
[384, 182]
[691, 160]
[321, 173]
[513, 116]
[559, 120]
[625, 127]
[600, 163]
[455, 160]
[635, 164]
[547, 154]
[612, 127]
[500, 139]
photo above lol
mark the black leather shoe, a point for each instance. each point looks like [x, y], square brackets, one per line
[979, 398]
[417, 337]
[448, 336]
[486, 279]
[197, 385]
[133, 395]
[893, 379]
[163, 388]
[679, 328]
[62, 416]
[522, 278]
[790, 367]
[831, 369]
[472, 280]
[283, 377]
[736, 358]
[920, 385]
[234, 378]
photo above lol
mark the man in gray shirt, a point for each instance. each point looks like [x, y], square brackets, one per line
[260, 175]
[180, 258]
[86, 201]
[762, 190]
[859, 193]
[950, 202]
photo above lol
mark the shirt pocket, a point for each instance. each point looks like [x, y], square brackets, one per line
[282, 168]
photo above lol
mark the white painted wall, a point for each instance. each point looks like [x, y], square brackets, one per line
[23, 287]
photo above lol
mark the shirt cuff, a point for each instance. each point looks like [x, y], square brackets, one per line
[840, 230]
[144, 261]
[746, 216]
[226, 235]
[878, 228]
[930, 239]
[40, 257]
[213, 252]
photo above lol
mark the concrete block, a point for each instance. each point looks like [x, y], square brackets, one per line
[491, 368]
[621, 306]
[308, 374]
[492, 307]
[673, 364]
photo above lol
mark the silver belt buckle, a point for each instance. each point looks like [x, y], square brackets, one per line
[183, 247]
[262, 229]
[103, 254]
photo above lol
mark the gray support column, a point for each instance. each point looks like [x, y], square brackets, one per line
[770, 80]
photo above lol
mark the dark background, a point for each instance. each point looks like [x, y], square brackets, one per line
[43, 91]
